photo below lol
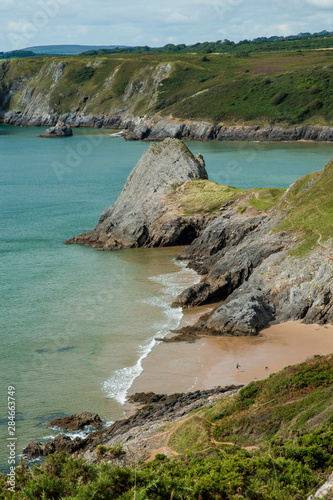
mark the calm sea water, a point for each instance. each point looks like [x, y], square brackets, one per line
[76, 322]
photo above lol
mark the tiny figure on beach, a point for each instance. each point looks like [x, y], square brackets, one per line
[238, 367]
[266, 367]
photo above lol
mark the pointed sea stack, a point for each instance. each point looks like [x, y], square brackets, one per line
[143, 216]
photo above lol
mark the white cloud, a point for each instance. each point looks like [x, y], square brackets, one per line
[177, 17]
[156, 22]
[321, 4]
[20, 26]
[5, 4]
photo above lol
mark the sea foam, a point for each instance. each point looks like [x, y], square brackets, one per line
[118, 385]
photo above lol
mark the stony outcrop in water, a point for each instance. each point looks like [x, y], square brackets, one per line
[141, 216]
[59, 130]
[77, 422]
[59, 443]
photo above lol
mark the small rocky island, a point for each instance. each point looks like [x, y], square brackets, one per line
[59, 130]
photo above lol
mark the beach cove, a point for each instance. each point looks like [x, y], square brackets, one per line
[66, 338]
[211, 361]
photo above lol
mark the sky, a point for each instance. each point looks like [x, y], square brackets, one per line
[26, 23]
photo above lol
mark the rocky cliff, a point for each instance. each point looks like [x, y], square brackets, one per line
[151, 98]
[142, 216]
[266, 269]
[263, 265]
[153, 129]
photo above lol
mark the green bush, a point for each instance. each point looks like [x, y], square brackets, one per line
[278, 98]
[82, 75]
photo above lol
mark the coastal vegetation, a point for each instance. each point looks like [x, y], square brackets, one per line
[309, 209]
[306, 208]
[271, 440]
[285, 88]
[207, 197]
[306, 41]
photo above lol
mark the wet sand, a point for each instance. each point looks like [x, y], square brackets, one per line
[211, 361]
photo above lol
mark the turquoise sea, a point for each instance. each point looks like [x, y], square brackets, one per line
[76, 322]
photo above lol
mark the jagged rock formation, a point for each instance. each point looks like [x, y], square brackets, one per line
[59, 443]
[244, 256]
[140, 216]
[140, 433]
[247, 266]
[60, 130]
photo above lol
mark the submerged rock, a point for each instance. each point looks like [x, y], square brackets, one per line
[141, 216]
[59, 130]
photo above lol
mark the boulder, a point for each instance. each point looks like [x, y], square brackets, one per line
[59, 130]
[60, 443]
[77, 422]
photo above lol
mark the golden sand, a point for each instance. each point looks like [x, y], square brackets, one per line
[211, 361]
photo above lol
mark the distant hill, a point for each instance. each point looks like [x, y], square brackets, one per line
[68, 50]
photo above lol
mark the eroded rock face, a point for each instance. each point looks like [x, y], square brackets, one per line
[140, 216]
[77, 421]
[59, 130]
[255, 279]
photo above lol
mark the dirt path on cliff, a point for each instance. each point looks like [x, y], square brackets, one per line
[165, 437]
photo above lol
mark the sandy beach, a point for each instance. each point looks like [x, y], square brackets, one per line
[211, 361]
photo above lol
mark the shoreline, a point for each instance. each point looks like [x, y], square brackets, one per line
[156, 128]
[211, 361]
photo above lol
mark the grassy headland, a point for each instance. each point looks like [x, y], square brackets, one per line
[309, 207]
[305, 209]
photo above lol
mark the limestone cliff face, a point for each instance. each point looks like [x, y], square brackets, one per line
[153, 129]
[49, 90]
[141, 215]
